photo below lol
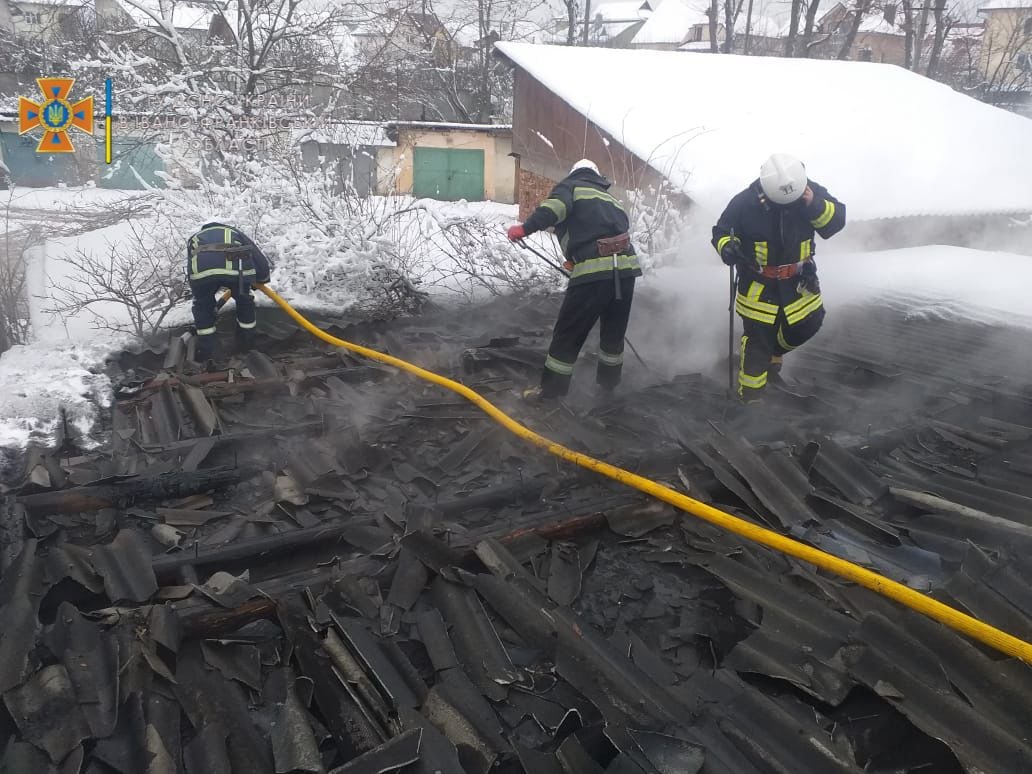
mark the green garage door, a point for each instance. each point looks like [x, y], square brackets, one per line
[34, 169]
[448, 174]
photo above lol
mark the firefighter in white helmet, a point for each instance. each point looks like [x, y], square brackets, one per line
[767, 232]
[592, 228]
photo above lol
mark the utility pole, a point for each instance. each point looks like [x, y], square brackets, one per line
[587, 22]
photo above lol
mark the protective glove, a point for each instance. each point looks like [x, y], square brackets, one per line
[568, 265]
[732, 254]
[516, 233]
[808, 281]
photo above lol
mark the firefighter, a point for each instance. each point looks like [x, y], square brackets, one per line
[220, 256]
[767, 233]
[592, 228]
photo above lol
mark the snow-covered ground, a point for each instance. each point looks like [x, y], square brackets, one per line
[38, 382]
[64, 198]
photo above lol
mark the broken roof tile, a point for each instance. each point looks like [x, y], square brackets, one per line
[47, 713]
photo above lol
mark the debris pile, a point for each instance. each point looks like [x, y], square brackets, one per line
[305, 563]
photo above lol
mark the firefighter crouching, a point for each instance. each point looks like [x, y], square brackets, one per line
[592, 227]
[767, 232]
[220, 256]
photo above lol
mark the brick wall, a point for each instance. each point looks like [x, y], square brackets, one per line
[533, 188]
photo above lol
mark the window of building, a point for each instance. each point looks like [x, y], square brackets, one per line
[866, 54]
[1023, 62]
[32, 17]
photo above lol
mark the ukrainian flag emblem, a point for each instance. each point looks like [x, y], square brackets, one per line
[55, 114]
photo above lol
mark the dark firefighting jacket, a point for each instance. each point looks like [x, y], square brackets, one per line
[218, 250]
[777, 235]
[583, 211]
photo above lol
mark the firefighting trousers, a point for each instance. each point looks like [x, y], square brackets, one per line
[583, 306]
[761, 341]
[205, 312]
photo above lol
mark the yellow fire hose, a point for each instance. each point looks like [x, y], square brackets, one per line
[955, 619]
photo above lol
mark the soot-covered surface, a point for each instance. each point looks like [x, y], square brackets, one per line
[309, 563]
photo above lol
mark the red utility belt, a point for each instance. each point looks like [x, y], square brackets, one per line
[782, 272]
[613, 245]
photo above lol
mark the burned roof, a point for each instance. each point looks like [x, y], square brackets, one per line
[308, 563]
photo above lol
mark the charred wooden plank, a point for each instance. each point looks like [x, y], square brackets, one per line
[256, 549]
[93, 497]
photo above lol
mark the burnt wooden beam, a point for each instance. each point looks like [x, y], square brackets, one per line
[558, 529]
[167, 566]
[228, 438]
[93, 497]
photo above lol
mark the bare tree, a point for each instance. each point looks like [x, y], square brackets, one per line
[143, 278]
[943, 25]
[809, 45]
[793, 28]
[713, 13]
[748, 28]
[731, 11]
[14, 311]
[860, 10]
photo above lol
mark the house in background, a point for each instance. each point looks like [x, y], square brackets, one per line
[448, 161]
[60, 19]
[198, 23]
[879, 38]
[688, 122]
[1005, 64]
[614, 23]
[673, 25]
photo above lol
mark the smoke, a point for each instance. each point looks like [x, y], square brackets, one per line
[680, 319]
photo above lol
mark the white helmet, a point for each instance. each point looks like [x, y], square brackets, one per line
[783, 178]
[585, 164]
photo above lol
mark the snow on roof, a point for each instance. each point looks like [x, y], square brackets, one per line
[762, 26]
[670, 23]
[1002, 5]
[621, 10]
[877, 23]
[184, 16]
[708, 122]
[353, 133]
[617, 17]
[446, 126]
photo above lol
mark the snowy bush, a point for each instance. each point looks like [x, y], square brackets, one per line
[660, 225]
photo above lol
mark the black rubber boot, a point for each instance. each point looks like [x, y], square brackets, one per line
[206, 348]
[244, 340]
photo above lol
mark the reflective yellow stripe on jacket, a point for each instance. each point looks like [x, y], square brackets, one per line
[230, 267]
[581, 193]
[557, 206]
[761, 253]
[825, 217]
[722, 242]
